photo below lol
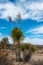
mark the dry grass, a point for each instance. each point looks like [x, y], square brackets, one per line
[7, 57]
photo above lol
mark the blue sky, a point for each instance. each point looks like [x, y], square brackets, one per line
[31, 19]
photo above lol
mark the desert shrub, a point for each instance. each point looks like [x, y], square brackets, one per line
[33, 48]
[24, 46]
[28, 47]
[27, 55]
[3, 61]
[21, 47]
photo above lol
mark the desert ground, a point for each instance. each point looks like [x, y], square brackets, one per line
[11, 57]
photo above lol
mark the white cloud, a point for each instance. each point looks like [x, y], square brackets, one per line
[35, 11]
[1, 36]
[38, 30]
[7, 36]
[36, 41]
[10, 39]
[35, 6]
[10, 10]
[29, 10]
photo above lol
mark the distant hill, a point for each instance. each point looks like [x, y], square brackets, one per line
[39, 46]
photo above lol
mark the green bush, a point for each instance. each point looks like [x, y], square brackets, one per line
[33, 48]
[24, 46]
[27, 46]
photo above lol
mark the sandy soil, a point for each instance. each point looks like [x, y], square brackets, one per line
[37, 57]
[11, 57]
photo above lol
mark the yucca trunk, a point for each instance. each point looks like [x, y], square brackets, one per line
[18, 52]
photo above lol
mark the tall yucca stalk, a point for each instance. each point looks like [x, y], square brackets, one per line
[18, 16]
[16, 35]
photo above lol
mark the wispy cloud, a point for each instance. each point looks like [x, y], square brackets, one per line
[35, 41]
[1, 36]
[38, 30]
[28, 9]
[7, 36]
[34, 11]
[10, 10]
[10, 39]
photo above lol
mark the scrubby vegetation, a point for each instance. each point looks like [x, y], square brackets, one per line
[4, 61]
[28, 46]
